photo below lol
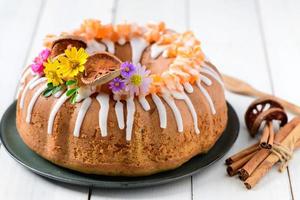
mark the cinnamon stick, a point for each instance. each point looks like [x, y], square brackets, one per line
[265, 136]
[234, 167]
[267, 164]
[242, 154]
[262, 154]
[271, 136]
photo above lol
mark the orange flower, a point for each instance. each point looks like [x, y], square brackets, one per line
[105, 31]
[156, 84]
[124, 30]
[89, 29]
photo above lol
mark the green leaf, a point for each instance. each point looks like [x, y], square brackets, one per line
[47, 92]
[71, 82]
[56, 89]
[70, 92]
[73, 98]
[50, 86]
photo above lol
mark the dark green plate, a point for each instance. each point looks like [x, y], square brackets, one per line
[22, 154]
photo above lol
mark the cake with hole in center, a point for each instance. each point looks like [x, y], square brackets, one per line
[121, 100]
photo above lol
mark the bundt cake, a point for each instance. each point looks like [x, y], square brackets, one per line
[121, 100]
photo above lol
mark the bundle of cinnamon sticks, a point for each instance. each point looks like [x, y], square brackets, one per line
[252, 163]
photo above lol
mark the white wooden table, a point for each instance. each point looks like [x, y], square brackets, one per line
[255, 40]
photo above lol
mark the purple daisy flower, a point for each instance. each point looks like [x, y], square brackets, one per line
[127, 69]
[139, 82]
[116, 85]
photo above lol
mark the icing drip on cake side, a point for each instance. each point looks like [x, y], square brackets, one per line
[103, 100]
[25, 74]
[33, 100]
[130, 117]
[207, 96]
[110, 45]
[84, 92]
[212, 73]
[138, 46]
[37, 82]
[205, 80]
[25, 91]
[54, 111]
[81, 114]
[145, 104]
[190, 105]
[188, 87]
[157, 49]
[161, 109]
[94, 46]
[178, 118]
[121, 41]
[59, 93]
[120, 114]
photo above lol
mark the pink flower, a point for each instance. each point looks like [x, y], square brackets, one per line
[38, 66]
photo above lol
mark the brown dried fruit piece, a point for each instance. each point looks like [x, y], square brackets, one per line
[60, 45]
[256, 108]
[269, 115]
[101, 68]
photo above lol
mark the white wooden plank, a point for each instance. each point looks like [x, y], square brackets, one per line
[57, 16]
[15, 39]
[175, 190]
[281, 28]
[174, 15]
[19, 183]
[67, 15]
[230, 34]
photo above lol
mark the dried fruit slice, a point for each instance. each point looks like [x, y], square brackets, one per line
[61, 44]
[101, 68]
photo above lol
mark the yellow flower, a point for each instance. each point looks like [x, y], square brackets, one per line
[51, 72]
[72, 62]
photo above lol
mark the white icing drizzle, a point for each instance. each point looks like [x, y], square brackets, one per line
[59, 93]
[54, 111]
[170, 101]
[21, 87]
[120, 114]
[138, 45]
[25, 74]
[162, 113]
[121, 41]
[25, 91]
[191, 107]
[188, 87]
[84, 92]
[130, 117]
[38, 81]
[205, 80]
[211, 72]
[165, 54]
[110, 45]
[208, 98]
[31, 104]
[81, 114]
[103, 100]
[94, 46]
[145, 104]
[25, 68]
[157, 49]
